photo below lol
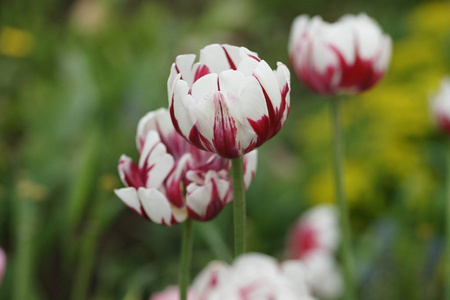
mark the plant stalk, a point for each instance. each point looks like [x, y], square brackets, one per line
[346, 247]
[239, 215]
[185, 258]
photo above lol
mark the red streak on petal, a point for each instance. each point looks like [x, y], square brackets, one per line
[225, 130]
[359, 76]
[303, 241]
[444, 123]
[214, 207]
[269, 125]
[175, 189]
[174, 119]
[230, 61]
[254, 57]
[201, 71]
[198, 140]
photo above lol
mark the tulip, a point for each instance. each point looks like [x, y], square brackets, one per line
[230, 101]
[440, 106]
[252, 277]
[171, 293]
[346, 57]
[2, 264]
[313, 240]
[173, 180]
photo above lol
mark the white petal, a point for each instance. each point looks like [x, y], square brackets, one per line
[184, 107]
[204, 87]
[215, 57]
[155, 205]
[323, 276]
[341, 36]
[161, 168]
[250, 162]
[129, 196]
[158, 120]
[151, 140]
[368, 35]
[299, 26]
[269, 82]
[209, 279]
[205, 116]
[296, 272]
[247, 66]
[184, 64]
[385, 56]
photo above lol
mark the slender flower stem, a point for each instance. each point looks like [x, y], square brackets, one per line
[447, 252]
[346, 247]
[185, 258]
[239, 216]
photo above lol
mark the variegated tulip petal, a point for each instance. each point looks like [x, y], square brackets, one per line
[156, 206]
[129, 196]
[129, 173]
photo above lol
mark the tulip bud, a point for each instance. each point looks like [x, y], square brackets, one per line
[229, 102]
[345, 57]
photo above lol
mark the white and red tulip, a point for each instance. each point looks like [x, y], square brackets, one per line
[345, 57]
[314, 240]
[173, 179]
[440, 106]
[230, 101]
[252, 277]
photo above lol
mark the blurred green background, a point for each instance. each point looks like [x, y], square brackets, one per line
[75, 78]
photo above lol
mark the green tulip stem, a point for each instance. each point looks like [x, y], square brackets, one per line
[239, 216]
[185, 258]
[447, 250]
[346, 247]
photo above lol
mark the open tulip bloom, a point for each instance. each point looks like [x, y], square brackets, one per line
[345, 57]
[230, 101]
[174, 180]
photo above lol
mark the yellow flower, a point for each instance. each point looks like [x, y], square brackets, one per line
[15, 42]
